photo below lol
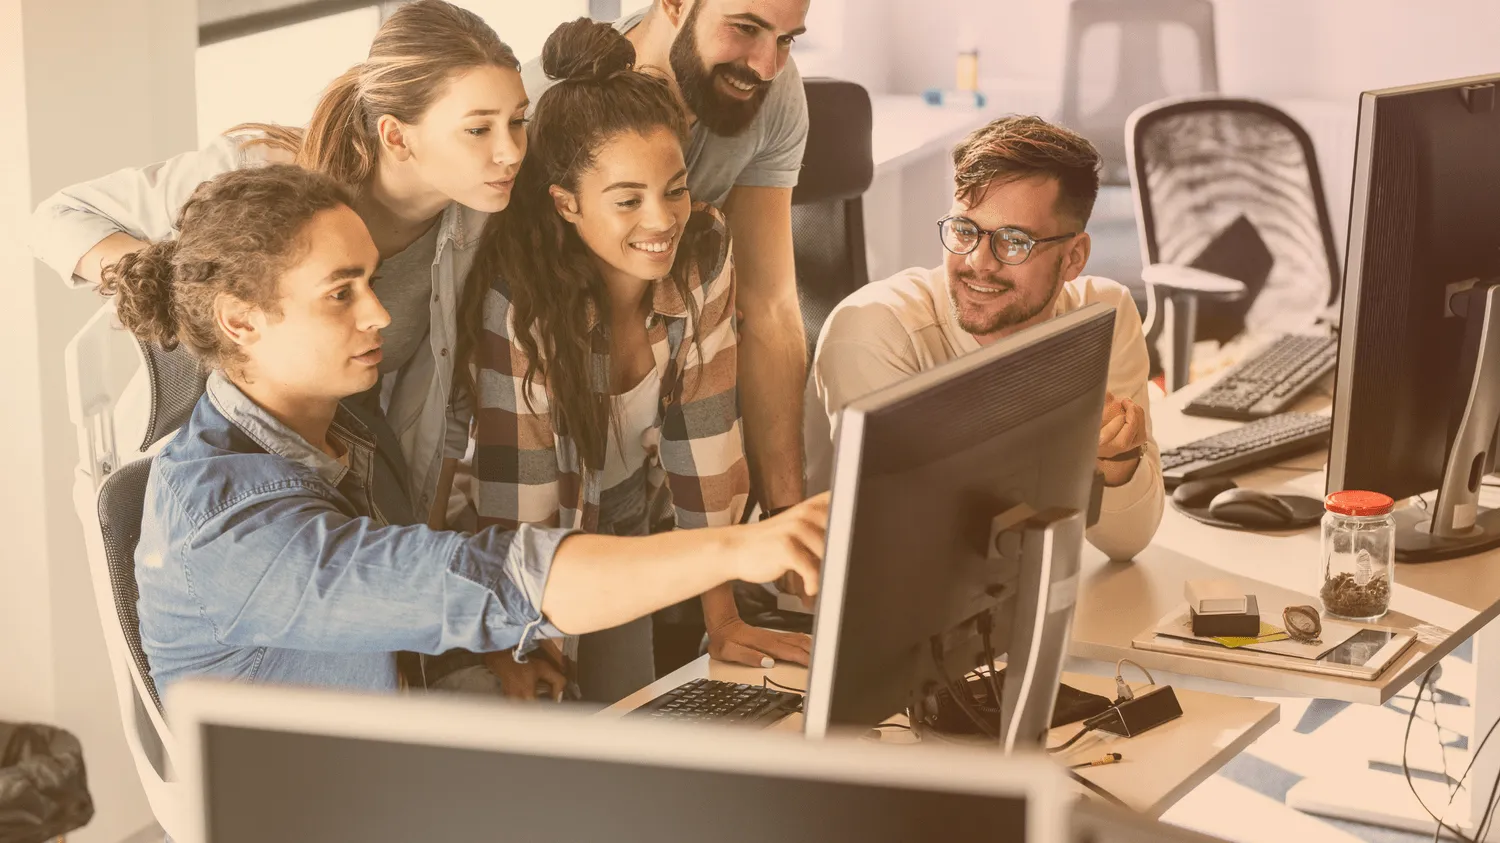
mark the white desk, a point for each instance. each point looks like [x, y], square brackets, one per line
[1159, 767]
[913, 184]
[1444, 602]
[906, 128]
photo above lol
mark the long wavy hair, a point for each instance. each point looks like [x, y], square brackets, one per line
[536, 256]
[418, 50]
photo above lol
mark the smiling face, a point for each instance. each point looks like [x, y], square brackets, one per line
[726, 54]
[469, 143]
[324, 343]
[632, 206]
[991, 299]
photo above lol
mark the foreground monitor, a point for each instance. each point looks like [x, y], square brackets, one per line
[316, 766]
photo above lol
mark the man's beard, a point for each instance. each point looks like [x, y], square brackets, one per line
[1017, 312]
[721, 113]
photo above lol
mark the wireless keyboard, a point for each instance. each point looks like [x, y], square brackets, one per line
[1269, 382]
[709, 700]
[1249, 446]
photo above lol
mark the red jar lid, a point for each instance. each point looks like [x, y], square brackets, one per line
[1359, 504]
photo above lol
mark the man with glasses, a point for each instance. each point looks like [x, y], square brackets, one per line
[1014, 249]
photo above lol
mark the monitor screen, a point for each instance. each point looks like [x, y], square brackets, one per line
[262, 785]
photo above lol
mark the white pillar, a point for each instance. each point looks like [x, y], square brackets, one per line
[87, 86]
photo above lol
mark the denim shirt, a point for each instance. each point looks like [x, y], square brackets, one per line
[429, 421]
[262, 558]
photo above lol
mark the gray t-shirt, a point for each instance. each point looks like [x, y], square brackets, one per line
[767, 154]
[403, 283]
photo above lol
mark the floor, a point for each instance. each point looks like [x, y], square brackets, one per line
[1246, 802]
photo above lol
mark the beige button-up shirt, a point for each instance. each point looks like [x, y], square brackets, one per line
[892, 329]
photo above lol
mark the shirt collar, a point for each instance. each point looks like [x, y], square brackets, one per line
[274, 436]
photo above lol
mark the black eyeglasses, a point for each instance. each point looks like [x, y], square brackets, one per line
[1011, 246]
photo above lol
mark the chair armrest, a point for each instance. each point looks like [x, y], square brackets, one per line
[1209, 286]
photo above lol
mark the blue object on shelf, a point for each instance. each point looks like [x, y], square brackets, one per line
[953, 99]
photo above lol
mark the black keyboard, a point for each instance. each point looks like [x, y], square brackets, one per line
[1269, 382]
[1248, 446]
[710, 700]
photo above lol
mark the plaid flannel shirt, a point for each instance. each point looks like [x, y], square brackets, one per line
[529, 474]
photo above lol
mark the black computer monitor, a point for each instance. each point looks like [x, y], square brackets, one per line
[960, 499]
[265, 763]
[1417, 395]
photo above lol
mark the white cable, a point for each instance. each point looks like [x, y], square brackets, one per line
[1122, 688]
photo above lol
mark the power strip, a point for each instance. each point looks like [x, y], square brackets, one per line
[1132, 717]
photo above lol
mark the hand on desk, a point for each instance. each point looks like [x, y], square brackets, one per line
[739, 642]
[1121, 431]
[545, 665]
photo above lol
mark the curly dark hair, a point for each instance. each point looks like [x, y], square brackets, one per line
[238, 233]
[535, 255]
[1016, 147]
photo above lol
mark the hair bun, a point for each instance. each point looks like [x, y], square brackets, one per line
[585, 49]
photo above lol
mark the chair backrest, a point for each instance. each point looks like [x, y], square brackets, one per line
[116, 396]
[1138, 72]
[1233, 186]
[122, 499]
[177, 380]
[828, 232]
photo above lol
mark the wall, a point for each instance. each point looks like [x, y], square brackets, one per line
[131, 102]
[1312, 57]
[1269, 48]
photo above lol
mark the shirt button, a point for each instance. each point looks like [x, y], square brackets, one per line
[434, 297]
[444, 352]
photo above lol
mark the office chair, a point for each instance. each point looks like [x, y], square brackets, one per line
[121, 390]
[1138, 75]
[828, 225]
[1138, 71]
[1234, 226]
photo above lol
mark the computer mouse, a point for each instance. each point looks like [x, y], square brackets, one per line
[1196, 494]
[1250, 508]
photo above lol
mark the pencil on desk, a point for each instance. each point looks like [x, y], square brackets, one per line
[1108, 759]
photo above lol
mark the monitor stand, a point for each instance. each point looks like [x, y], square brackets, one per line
[1457, 526]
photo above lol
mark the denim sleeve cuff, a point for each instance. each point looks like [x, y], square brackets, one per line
[528, 565]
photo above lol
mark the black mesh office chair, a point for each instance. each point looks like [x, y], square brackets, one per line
[121, 501]
[110, 492]
[828, 226]
[1230, 187]
[177, 381]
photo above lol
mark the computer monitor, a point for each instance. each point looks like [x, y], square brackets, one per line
[1417, 394]
[960, 499]
[265, 763]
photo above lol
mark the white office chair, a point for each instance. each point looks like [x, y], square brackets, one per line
[119, 392]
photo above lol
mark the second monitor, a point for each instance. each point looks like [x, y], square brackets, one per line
[960, 499]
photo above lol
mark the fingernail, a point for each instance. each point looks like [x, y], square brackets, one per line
[767, 662]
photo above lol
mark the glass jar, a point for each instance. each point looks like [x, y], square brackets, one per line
[1359, 555]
